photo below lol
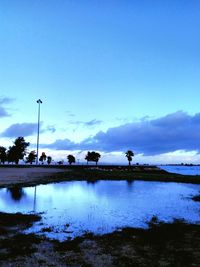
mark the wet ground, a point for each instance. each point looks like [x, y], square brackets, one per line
[162, 244]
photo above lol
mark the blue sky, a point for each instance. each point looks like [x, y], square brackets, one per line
[113, 75]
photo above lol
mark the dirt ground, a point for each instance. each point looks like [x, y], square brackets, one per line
[13, 176]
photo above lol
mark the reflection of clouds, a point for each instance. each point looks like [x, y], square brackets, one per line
[105, 205]
[65, 191]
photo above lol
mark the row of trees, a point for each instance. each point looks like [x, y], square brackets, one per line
[19, 150]
[15, 152]
[95, 156]
[32, 157]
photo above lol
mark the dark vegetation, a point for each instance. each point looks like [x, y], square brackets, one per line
[31, 157]
[19, 150]
[18, 245]
[13, 243]
[92, 156]
[129, 154]
[49, 159]
[196, 198]
[9, 219]
[43, 157]
[163, 244]
[71, 159]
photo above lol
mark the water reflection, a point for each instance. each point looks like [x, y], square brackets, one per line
[34, 201]
[16, 193]
[130, 183]
[92, 181]
[102, 206]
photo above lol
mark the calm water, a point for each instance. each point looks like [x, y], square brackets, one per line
[187, 170]
[71, 208]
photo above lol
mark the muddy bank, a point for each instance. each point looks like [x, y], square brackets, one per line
[176, 244]
[152, 173]
[12, 242]
[31, 176]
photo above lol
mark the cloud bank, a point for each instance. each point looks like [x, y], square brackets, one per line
[20, 129]
[176, 131]
[26, 129]
[90, 123]
[4, 101]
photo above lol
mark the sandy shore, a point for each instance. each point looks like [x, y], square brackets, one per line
[17, 176]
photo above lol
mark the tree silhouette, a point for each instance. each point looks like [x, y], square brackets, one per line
[18, 150]
[49, 159]
[71, 159]
[129, 154]
[31, 157]
[11, 154]
[3, 155]
[43, 157]
[92, 156]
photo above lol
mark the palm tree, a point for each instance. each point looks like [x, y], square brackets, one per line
[129, 154]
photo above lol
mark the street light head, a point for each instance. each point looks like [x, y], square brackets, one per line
[39, 101]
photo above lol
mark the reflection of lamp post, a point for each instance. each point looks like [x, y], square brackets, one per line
[39, 101]
[34, 201]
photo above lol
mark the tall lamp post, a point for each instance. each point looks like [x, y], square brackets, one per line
[39, 101]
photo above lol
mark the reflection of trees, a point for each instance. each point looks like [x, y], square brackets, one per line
[130, 182]
[16, 193]
[92, 181]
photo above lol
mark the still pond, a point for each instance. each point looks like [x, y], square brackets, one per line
[72, 208]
